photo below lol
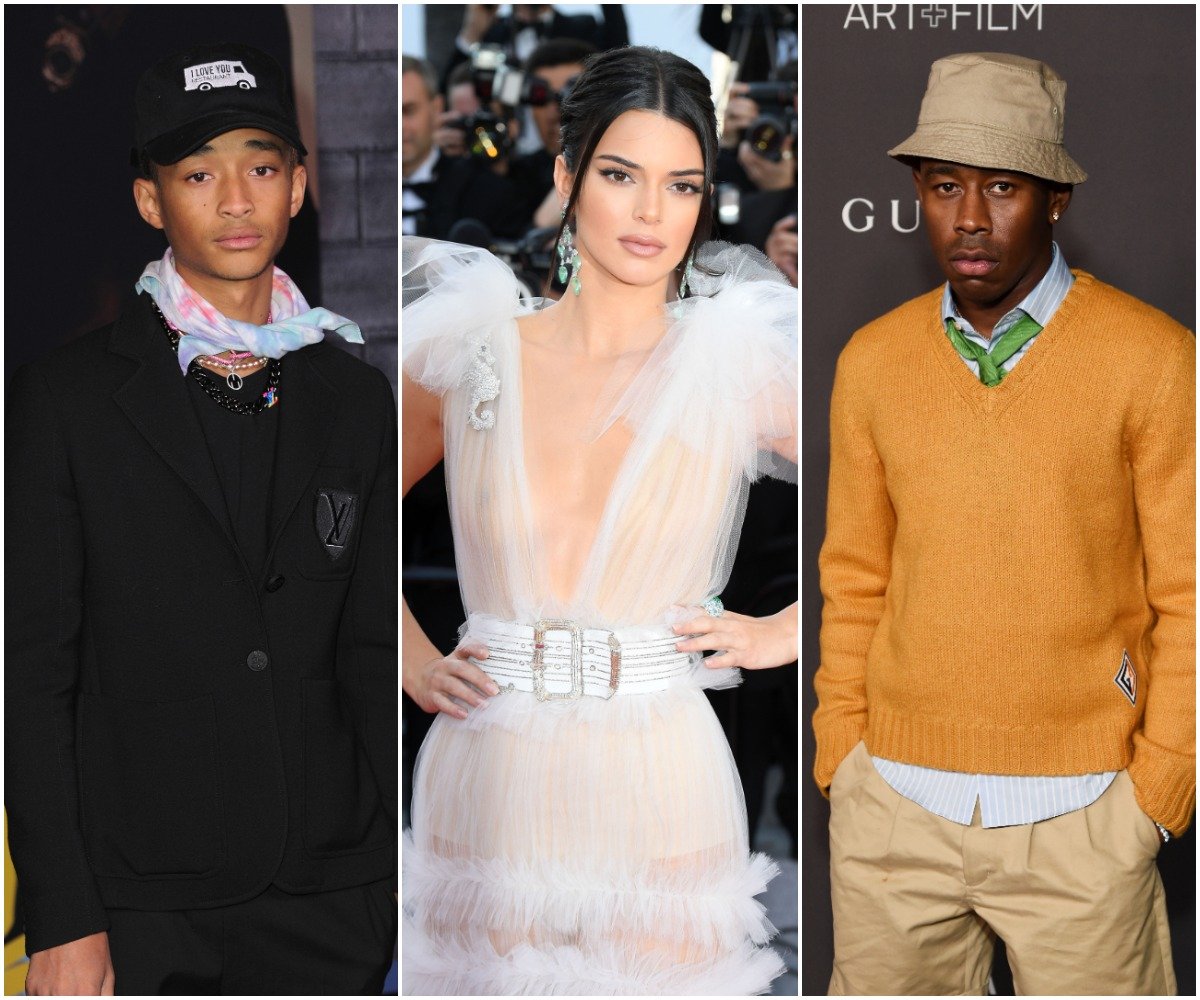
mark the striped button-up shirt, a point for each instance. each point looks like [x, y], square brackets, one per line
[1004, 800]
[1040, 304]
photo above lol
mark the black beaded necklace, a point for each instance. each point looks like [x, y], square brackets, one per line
[209, 384]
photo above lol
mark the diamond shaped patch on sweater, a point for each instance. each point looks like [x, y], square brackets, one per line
[1126, 678]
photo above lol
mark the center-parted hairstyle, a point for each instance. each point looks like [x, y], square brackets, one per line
[637, 78]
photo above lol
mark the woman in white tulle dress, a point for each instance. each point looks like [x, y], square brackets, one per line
[578, 826]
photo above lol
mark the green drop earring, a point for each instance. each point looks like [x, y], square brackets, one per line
[568, 255]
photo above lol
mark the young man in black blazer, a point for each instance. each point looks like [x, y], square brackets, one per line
[200, 672]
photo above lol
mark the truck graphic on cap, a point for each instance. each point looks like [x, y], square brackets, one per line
[225, 73]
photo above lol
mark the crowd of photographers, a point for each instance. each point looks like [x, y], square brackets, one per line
[480, 130]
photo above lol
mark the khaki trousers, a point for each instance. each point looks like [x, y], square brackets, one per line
[918, 900]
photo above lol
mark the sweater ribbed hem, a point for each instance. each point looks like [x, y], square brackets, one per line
[836, 741]
[985, 747]
[1165, 783]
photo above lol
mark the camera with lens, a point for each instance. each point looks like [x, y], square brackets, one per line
[776, 119]
[537, 92]
[488, 135]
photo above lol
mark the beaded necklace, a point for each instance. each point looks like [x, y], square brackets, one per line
[209, 385]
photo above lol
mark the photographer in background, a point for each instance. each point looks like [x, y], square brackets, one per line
[439, 190]
[757, 168]
[476, 124]
[461, 104]
[761, 41]
[520, 32]
[549, 72]
[760, 134]
[461, 98]
[756, 36]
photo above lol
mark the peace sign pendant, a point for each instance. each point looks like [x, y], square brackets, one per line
[233, 380]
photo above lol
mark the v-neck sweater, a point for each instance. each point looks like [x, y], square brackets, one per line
[997, 644]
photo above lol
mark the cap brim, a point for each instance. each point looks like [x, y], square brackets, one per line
[974, 146]
[183, 141]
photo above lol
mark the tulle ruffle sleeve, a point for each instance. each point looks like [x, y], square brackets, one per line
[726, 373]
[454, 296]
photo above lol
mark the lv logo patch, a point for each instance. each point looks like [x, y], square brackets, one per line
[335, 514]
[1126, 679]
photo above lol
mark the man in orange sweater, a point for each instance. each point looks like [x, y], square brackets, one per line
[1006, 720]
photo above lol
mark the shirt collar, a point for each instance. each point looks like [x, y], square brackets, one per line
[1040, 304]
[424, 172]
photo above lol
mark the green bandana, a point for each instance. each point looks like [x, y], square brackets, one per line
[1009, 342]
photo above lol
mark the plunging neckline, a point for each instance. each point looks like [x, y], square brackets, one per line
[573, 595]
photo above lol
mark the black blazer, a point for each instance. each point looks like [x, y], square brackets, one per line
[181, 731]
[464, 188]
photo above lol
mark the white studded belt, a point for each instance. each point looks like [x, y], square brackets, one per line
[558, 660]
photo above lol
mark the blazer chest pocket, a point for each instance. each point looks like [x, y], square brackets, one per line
[333, 511]
[150, 799]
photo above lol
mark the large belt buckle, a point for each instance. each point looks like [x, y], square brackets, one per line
[576, 631]
[540, 629]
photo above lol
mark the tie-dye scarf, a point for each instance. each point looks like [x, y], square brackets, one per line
[206, 331]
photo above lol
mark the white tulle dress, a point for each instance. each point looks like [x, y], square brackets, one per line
[595, 846]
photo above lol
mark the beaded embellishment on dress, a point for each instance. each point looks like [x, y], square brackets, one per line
[484, 384]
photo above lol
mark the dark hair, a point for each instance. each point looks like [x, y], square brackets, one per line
[558, 52]
[147, 168]
[462, 73]
[637, 78]
[424, 69]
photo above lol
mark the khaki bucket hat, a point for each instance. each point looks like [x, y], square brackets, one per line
[991, 109]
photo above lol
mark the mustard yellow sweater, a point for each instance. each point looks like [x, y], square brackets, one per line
[991, 554]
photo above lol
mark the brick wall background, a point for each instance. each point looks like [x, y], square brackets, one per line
[357, 115]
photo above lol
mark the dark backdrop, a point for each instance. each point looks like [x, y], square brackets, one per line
[74, 240]
[1130, 123]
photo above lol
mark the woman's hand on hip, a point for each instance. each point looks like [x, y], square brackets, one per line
[742, 641]
[435, 685]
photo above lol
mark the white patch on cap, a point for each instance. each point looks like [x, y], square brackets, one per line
[226, 73]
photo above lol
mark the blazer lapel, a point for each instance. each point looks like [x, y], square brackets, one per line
[308, 408]
[155, 400]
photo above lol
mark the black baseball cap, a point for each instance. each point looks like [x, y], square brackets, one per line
[192, 96]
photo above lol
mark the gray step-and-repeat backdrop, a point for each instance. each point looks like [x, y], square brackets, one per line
[1130, 123]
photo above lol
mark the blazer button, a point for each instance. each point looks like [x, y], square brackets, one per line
[258, 660]
[274, 583]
